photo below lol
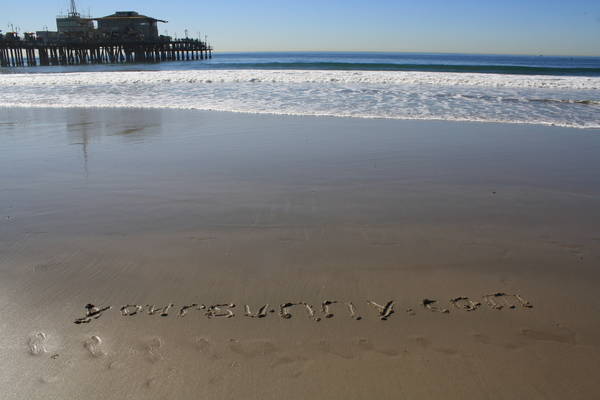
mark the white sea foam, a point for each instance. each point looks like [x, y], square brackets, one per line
[303, 76]
[558, 100]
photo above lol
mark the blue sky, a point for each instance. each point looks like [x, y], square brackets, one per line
[469, 26]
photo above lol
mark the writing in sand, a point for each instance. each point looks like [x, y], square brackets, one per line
[327, 308]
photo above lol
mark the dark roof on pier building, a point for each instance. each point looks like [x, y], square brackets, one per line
[129, 24]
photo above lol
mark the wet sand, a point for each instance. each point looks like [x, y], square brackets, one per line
[201, 210]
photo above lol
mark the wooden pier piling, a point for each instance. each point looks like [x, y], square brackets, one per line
[17, 53]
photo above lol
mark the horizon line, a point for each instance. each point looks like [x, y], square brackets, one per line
[409, 52]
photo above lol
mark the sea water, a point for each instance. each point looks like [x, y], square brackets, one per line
[562, 91]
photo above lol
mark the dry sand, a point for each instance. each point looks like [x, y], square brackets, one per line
[200, 210]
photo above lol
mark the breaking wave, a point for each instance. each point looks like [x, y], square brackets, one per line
[571, 101]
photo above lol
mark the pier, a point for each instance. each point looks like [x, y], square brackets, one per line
[21, 53]
[122, 37]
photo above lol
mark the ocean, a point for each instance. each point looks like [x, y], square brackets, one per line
[561, 91]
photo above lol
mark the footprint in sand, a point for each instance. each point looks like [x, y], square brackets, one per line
[50, 379]
[205, 347]
[337, 349]
[94, 346]
[152, 347]
[154, 382]
[37, 343]
[290, 366]
[575, 249]
[447, 351]
[481, 338]
[560, 335]
[151, 382]
[426, 344]
[365, 345]
[255, 348]
[421, 341]
[115, 364]
[202, 344]
[487, 340]
[284, 361]
[57, 371]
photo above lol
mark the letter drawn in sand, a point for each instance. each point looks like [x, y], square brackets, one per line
[261, 313]
[430, 305]
[327, 305]
[284, 310]
[384, 311]
[352, 310]
[500, 300]
[464, 303]
[326, 308]
[91, 312]
[220, 310]
[164, 310]
[311, 311]
[130, 310]
[184, 309]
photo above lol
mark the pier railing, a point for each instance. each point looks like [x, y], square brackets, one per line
[16, 53]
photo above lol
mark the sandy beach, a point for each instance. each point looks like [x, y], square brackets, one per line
[391, 259]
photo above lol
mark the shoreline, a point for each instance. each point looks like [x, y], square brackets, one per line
[284, 115]
[568, 101]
